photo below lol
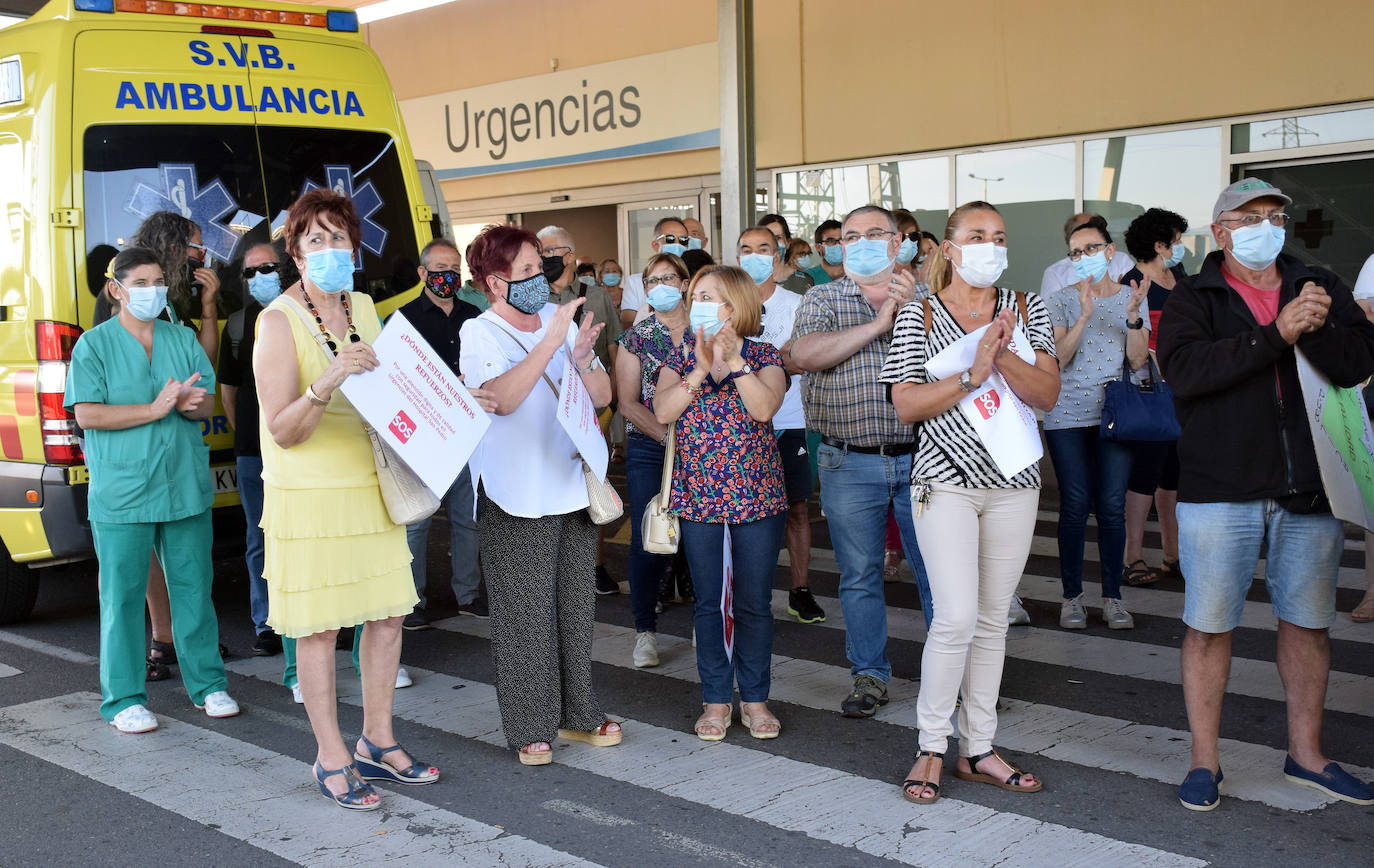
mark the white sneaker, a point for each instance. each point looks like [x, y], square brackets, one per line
[220, 704]
[134, 719]
[296, 693]
[1071, 614]
[1017, 616]
[646, 650]
[403, 678]
[1115, 614]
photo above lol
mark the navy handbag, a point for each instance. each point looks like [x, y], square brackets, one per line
[1139, 411]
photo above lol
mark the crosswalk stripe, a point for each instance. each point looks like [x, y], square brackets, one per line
[823, 561]
[774, 790]
[7, 671]
[1163, 603]
[1149, 752]
[47, 648]
[259, 797]
[1346, 691]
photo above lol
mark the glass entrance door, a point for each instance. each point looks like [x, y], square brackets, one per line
[637, 221]
[1332, 212]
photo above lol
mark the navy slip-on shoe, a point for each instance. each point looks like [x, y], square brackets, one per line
[1200, 791]
[1333, 780]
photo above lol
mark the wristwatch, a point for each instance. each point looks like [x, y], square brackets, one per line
[744, 370]
[966, 381]
[1139, 322]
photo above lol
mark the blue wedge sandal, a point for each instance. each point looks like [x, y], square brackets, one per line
[372, 768]
[357, 790]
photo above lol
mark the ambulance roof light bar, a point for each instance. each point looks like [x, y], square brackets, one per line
[337, 20]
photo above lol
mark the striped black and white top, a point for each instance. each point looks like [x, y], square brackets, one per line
[947, 449]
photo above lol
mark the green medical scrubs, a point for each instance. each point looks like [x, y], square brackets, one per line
[150, 491]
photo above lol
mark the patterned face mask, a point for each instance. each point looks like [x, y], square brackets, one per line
[444, 284]
[528, 295]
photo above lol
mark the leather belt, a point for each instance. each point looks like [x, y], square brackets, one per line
[888, 450]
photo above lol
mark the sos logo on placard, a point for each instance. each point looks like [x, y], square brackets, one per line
[987, 403]
[402, 426]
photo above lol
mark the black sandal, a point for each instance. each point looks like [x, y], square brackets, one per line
[161, 656]
[1171, 570]
[1139, 573]
[923, 784]
[1012, 782]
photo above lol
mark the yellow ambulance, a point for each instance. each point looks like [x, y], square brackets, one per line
[111, 110]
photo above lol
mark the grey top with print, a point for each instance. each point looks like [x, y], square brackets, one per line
[1100, 355]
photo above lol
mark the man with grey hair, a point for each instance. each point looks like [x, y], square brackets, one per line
[841, 338]
[558, 253]
[438, 315]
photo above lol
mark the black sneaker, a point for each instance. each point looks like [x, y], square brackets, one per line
[869, 695]
[268, 644]
[604, 583]
[477, 608]
[416, 620]
[802, 606]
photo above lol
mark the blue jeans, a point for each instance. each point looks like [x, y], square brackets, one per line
[1092, 476]
[249, 476]
[644, 476]
[462, 543]
[755, 548]
[856, 491]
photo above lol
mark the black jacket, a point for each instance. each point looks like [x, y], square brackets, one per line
[1235, 383]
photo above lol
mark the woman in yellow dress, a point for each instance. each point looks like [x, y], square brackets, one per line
[334, 557]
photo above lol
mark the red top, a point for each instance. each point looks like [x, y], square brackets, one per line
[1263, 303]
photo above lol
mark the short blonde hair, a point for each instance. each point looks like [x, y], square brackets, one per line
[737, 289]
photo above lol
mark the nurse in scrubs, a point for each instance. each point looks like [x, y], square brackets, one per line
[139, 387]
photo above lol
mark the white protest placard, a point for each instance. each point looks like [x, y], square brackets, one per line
[1000, 419]
[727, 594]
[1344, 444]
[577, 414]
[418, 405]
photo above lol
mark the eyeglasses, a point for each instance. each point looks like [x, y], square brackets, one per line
[1076, 254]
[555, 251]
[871, 235]
[674, 239]
[665, 279]
[265, 268]
[829, 242]
[1279, 219]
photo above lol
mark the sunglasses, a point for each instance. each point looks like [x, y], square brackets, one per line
[265, 268]
[912, 236]
[675, 239]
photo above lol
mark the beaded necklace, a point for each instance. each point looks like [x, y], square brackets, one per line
[319, 321]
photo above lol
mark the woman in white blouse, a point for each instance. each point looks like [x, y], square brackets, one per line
[538, 543]
[974, 525]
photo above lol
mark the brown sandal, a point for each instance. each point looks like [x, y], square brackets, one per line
[926, 784]
[1012, 783]
[1139, 573]
[599, 737]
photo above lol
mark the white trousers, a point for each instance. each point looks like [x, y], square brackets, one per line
[975, 542]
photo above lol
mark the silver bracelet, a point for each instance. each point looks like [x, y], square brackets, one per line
[313, 398]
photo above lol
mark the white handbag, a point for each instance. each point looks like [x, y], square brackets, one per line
[658, 529]
[407, 499]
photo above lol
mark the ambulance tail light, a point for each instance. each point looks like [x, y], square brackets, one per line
[322, 19]
[55, 342]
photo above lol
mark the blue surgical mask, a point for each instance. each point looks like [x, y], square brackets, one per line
[528, 295]
[1091, 267]
[1256, 247]
[265, 287]
[587, 279]
[330, 269]
[1175, 255]
[693, 243]
[611, 279]
[865, 258]
[145, 302]
[664, 298]
[758, 265]
[806, 261]
[834, 254]
[907, 251]
[675, 249]
[704, 316]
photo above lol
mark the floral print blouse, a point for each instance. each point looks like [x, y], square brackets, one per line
[728, 468]
[652, 342]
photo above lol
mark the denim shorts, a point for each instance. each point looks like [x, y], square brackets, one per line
[1219, 547]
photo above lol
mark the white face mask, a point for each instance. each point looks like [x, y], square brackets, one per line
[983, 263]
